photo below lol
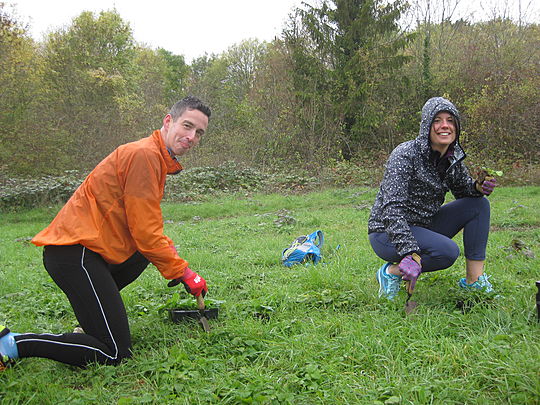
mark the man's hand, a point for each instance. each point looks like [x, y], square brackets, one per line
[410, 266]
[194, 283]
[487, 186]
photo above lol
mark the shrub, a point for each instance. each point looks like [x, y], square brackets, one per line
[190, 184]
[231, 178]
[17, 193]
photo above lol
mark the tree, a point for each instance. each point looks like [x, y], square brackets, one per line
[243, 61]
[91, 82]
[226, 81]
[358, 47]
[20, 65]
[176, 75]
[490, 70]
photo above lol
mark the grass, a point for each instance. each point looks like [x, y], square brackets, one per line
[304, 335]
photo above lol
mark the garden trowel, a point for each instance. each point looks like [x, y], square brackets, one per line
[200, 306]
[410, 305]
[202, 315]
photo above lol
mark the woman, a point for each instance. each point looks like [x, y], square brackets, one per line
[409, 226]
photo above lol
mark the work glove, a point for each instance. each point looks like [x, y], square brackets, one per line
[193, 283]
[410, 267]
[487, 186]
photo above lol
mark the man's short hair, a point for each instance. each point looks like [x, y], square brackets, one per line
[189, 103]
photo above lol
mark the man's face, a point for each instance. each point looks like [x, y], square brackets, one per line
[443, 131]
[184, 133]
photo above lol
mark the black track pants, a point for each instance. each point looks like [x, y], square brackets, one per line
[93, 289]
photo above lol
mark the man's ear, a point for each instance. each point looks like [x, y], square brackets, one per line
[167, 121]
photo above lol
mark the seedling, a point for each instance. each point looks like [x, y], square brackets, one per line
[486, 171]
[492, 172]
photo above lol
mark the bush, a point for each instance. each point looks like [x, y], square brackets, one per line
[190, 184]
[17, 193]
[232, 178]
[343, 173]
[195, 183]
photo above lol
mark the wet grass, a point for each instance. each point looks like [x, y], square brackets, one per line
[303, 335]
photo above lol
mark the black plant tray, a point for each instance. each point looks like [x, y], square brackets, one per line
[179, 315]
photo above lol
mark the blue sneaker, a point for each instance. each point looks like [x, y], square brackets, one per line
[482, 284]
[8, 348]
[388, 283]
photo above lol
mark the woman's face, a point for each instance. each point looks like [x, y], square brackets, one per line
[443, 132]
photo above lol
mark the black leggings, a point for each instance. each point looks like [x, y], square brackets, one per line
[93, 289]
[438, 250]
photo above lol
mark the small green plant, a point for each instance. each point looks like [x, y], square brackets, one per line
[485, 171]
[492, 172]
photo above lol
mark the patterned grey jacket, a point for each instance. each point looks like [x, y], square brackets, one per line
[412, 190]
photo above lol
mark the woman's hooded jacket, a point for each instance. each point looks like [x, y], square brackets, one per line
[413, 188]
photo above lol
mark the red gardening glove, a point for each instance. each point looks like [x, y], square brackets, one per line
[194, 283]
[410, 268]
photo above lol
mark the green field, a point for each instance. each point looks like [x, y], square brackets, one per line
[301, 335]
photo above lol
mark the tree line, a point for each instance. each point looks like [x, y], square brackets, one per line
[345, 80]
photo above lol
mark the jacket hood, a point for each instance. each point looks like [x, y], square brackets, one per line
[432, 107]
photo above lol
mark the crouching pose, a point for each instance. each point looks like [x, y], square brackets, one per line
[409, 226]
[103, 239]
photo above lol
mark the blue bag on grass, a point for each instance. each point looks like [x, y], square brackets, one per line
[305, 248]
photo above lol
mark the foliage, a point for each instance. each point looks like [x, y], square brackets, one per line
[190, 184]
[232, 178]
[89, 79]
[490, 70]
[175, 75]
[19, 69]
[347, 173]
[304, 335]
[356, 47]
[345, 80]
[504, 116]
[19, 194]
[201, 180]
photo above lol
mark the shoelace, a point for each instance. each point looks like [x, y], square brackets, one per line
[483, 281]
[393, 284]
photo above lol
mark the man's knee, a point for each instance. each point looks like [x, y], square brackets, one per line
[121, 356]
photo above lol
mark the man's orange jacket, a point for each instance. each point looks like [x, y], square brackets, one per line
[116, 210]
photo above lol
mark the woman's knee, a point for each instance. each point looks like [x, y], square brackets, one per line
[452, 252]
[482, 203]
[443, 257]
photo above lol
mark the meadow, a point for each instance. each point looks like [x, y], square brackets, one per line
[300, 335]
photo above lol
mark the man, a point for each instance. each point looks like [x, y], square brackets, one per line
[105, 236]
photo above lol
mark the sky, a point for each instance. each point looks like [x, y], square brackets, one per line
[193, 28]
[184, 27]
